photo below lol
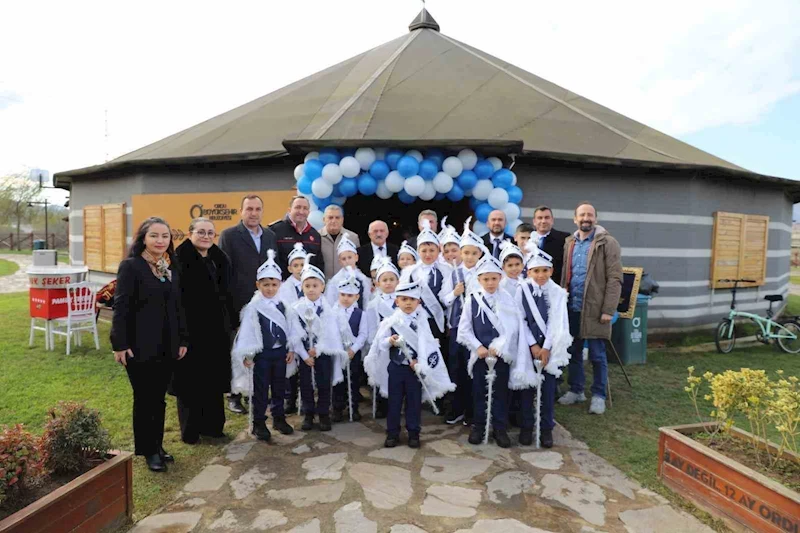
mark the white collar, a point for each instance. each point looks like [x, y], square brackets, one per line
[375, 249]
[539, 235]
[493, 238]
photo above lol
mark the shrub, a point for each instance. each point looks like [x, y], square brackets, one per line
[73, 437]
[20, 458]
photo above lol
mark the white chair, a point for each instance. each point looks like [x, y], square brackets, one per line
[45, 328]
[80, 315]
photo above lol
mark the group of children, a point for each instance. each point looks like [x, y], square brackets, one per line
[453, 325]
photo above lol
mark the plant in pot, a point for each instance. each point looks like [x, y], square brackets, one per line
[21, 463]
[749, 479]
[74, 439]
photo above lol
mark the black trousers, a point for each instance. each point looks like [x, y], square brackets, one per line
[462, 403]
[201, 414]
[269, 373]
[149, 380]
[340, 390]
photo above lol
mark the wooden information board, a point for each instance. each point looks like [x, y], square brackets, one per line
[739, 249]
[104, 236]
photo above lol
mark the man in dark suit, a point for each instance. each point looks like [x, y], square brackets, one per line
[497, 232]
[246, 245]
[548, 239]
[378, 233]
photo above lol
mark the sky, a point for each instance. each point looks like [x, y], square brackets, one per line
[84, 82]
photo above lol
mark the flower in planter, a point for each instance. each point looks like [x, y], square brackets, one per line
[73, 438]
[20, 458]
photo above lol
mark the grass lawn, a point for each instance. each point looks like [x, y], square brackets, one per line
[7, 267]
[32, 380]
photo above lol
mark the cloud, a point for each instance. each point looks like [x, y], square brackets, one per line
[9, 98]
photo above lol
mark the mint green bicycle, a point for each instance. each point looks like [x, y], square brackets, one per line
[786, 330]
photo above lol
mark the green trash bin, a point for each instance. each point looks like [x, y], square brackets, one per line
[629, 335]
[39, 244]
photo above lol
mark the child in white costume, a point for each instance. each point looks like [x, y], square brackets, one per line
[380, 308]
[512, 259]
[291, 289]
[348, 257]
[262, 356]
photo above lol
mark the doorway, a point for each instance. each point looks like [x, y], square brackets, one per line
[401, 218]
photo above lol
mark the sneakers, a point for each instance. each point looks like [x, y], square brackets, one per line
[546, 438]
[391, 441]
[453, 419]
[598, 405]
[475, 435]
[526, 437]
[324, 422]
[501, 438]
[571, 398]
[413, 440]
[261, 432]
[308, 423]
[281, 425]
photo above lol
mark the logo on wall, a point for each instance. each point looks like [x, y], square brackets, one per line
[218, 212]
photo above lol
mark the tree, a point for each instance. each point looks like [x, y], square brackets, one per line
[16, 190]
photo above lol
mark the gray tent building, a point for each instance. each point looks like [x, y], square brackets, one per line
[683, 215]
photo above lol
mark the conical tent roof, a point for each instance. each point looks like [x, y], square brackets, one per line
[425, 86]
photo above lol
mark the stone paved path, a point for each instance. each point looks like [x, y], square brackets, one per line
[344, 481]
[17, 282]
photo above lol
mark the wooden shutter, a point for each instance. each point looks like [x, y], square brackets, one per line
[93, 237]
[739, 249]
[104, 236]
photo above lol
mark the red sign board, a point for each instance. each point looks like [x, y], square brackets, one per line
[48, 303]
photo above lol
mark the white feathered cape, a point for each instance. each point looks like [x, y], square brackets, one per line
[429, 359]
[249, 342]
[326, 330]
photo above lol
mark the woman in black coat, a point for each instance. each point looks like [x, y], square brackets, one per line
[204, 376]
[148, 333]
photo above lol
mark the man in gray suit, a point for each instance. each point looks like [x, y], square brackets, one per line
[246, 245]
[331, 234]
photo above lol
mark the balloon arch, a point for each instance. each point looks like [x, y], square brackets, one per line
[331, 176]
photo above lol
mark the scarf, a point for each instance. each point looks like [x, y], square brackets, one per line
[160, 267]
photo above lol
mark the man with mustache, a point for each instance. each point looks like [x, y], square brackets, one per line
[592, 273]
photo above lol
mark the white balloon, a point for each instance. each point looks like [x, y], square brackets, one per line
[311, 155]
[496, 162]
[350, 167]
[315, 219]
[498, 198]
[332, 173]
[452, 166]
[365, 157]
[414, 185]
[394, 181]
[514, 179]
[428, 193]
[416, 154]
[321, 188]
[312, 205]
[512, 211]
[468, 158]
[298, 171]
[443, 182]
[383, 191]
[482, 189]
[380, 154]
[480, 228]
[514, 224]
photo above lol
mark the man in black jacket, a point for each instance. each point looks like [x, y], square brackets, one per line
[377, 245]
[246, 245]
[548, 239]
[497, 232]
[295, 228]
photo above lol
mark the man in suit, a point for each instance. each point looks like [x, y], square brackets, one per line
[331, 234]
[497, 232]
[429, 215]
[246, 246]
[548, 239]
[377, 246]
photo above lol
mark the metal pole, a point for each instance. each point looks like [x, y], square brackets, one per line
[46, 228]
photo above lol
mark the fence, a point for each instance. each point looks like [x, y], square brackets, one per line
[25, 241]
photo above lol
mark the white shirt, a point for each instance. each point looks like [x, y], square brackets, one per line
[256, 236]
[376, 252]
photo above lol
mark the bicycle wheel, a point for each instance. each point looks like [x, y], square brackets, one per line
[726, 336]
[786, 344]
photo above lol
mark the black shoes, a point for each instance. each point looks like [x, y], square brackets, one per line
[391, 441]
[475, 435]
[261, 432]
[453, 419]
[165, 457]
[526, 437]
[324, 422]
[380, 413]
[413, 440]
[356, 415]
[501, 438]
[338, 416]
[155, 463]
[235, 405]
[279, 423]
[291, 407]
[308, 423]
[546, 439]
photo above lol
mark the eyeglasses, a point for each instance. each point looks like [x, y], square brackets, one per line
[203, 233]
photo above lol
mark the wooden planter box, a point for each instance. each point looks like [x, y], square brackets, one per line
[745, 499]
[101, 499]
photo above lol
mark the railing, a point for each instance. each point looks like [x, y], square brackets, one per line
[25, 241]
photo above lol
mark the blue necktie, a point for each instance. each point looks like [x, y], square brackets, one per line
[299, 291]
[541, 242]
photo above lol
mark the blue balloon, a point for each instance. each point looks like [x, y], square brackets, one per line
[439, 196]
[322, 203]
[474, 203]
[406, 198]
[393, 157]
[329, 155]
[503, 178]
[456, 194]
[337, 190]
[407, 166]
[336, 201]
[467, 179]
[379, 170]
[367, 185]
[428, 169]
[304, 185]
[345, 152]
[348, 187]
[313, 168]
[436, 155]
[482, 212]
[484, 169]
[514, 194]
